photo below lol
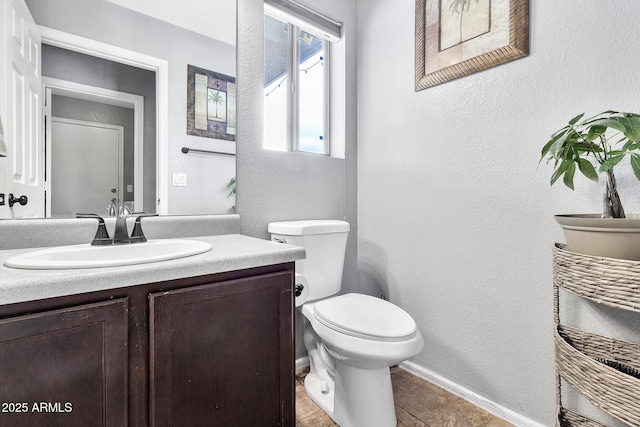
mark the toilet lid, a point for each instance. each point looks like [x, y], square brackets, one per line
[365, 316]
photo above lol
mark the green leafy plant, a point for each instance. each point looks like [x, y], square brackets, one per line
[605, 139]
[232, 186]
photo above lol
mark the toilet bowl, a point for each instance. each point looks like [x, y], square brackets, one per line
[364, 331]
[351, 339]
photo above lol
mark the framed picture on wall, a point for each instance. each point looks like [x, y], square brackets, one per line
[211, 104]
[455, 38]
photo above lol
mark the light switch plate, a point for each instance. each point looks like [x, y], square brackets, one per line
[179, 179]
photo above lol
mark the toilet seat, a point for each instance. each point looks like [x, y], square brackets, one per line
[364, 316]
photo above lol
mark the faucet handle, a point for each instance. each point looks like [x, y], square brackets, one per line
[124, 210]
[137, 235]
[102, 236]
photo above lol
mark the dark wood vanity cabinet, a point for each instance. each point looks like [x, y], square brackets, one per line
[222, 372]
[65, 367]
[213, 350]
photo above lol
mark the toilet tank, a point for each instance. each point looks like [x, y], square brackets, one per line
[325, 243]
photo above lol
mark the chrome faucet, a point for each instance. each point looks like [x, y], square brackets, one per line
[111, 209]
[120, 234]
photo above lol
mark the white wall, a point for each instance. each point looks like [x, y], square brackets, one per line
[278, 186]
[455, 216]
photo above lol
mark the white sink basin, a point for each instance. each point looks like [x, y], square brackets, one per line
[87, 256]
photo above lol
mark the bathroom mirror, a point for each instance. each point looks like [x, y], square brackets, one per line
[82, 87]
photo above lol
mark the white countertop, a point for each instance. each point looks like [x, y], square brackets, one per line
[229, 252]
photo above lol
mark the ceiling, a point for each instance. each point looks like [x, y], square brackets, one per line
[213, 18]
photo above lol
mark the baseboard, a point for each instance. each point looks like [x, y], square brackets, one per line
[302, 363]
[499, 411]
[471, 397]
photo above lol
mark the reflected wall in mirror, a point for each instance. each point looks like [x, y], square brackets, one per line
[117, 76]
[101, 118]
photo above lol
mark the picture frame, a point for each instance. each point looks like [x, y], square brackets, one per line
[455, 38]
[211, 104]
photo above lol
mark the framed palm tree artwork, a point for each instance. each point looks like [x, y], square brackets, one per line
[211, 104]
[455, 38]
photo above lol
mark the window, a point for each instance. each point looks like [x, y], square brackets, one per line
[296, 75]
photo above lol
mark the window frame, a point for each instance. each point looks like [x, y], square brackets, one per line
[296, 25]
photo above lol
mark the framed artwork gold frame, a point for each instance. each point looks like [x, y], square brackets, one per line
[455, 38]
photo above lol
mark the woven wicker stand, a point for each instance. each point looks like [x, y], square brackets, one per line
[580, 355]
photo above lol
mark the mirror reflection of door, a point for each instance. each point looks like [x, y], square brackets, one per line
[76, 104]
[79, 150]
[20, 69]
[82, 87]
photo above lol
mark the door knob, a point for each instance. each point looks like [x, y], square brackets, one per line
[22, 200]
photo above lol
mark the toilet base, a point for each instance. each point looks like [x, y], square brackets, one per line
[314, 386]
[351, 396]
[363, 397]
[357, 398]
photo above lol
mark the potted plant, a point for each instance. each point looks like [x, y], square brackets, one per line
[231, 186]
[595, 146]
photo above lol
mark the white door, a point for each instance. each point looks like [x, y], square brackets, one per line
[87, 162]
[23, 167]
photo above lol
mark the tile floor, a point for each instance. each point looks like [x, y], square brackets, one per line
[418, 404]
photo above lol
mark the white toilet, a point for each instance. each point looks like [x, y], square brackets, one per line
[352, 339]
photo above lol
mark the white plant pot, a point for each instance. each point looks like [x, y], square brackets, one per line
[607, 237]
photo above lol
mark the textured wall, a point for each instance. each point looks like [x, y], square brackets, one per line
[455, 215]
[277, 186]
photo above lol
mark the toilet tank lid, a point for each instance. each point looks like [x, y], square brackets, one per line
[308, 227]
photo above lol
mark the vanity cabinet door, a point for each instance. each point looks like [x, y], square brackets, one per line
[65, 367]
[222, 354]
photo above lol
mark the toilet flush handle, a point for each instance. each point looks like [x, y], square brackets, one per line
[298, 290]
[279, 239]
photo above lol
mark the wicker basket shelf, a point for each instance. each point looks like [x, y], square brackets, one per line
[568, 418]
[613, 391]
[614, 282]
[603, 369]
